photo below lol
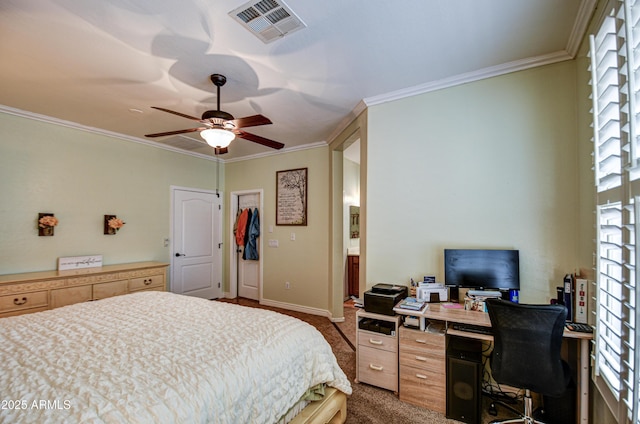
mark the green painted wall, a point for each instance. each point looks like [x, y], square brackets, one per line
[489, 164]
[81, 176]
[303, 262]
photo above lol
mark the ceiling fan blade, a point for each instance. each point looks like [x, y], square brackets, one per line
[250, 121]
[176, 113]
[258, 139]
[162, 134]
[220, 150]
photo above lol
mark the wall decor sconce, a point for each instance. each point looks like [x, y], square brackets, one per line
[46, 224]
[112, 224]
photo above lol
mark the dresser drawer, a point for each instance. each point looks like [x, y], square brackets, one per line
[113, 288]
[70, 295]
[423, 388]
[143, 283]
[23, 312]
[377, 341]
[19, 302]
[378, 367]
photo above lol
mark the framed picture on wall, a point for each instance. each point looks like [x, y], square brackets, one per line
[291, 197]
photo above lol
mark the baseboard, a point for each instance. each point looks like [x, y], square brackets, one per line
[294, 307]
[297, 308]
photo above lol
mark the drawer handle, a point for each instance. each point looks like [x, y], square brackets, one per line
[147, 282]
[375, 342]
[421, 341]
[375, 367]
[18, 302]
[421, 358]
[422, 376]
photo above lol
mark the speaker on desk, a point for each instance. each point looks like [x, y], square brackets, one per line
[454, 294]
[464, 379]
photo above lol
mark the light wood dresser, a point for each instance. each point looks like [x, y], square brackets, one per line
[39, 291]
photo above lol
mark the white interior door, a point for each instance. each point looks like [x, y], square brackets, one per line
[249, 271]
[197, 244]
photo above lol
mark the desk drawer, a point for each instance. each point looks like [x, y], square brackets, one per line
[18, 302]
[423, 388]
[377, 341]
[143, 283]
[378, 367]
[428, 343]
[423, 359]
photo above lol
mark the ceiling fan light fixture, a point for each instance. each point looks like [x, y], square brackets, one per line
[217, 137]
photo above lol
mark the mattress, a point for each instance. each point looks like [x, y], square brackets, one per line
[158, 357]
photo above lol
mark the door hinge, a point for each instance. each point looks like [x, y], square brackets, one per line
[218, 285]
[219, 245]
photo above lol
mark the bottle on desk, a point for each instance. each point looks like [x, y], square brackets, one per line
[514, 295]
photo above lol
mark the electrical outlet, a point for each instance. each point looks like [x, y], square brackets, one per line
[293, 236]
[287, 285]
[273, 243]
[166, 241]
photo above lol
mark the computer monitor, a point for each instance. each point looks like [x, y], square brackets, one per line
[482, 269]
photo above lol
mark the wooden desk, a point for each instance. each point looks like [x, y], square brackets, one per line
[436, 311]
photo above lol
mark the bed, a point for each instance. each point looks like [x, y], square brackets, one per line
[158, 357]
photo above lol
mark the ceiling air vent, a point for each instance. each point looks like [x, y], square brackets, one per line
[267, 19]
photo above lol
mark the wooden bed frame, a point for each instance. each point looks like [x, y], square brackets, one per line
[332, 409]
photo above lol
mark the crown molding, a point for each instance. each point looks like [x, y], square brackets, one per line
[347, 120]
[493, 71]
[278, 152]
[580, 26]
[61, 122]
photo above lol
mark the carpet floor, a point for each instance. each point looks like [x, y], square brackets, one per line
[367, 404]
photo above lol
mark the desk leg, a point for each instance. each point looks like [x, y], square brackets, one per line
[583, 382]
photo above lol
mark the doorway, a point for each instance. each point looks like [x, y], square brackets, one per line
[245, 276]
[196, 257]
[351, 218]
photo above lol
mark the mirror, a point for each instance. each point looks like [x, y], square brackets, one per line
[354, 222]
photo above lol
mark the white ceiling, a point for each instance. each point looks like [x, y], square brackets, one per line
[103, 64]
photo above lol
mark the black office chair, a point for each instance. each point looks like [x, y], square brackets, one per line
[526, 351]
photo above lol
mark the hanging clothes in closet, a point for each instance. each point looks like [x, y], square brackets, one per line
[252, 234]
[246, 229]
[240, 227]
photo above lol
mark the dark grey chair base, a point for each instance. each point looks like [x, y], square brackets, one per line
[526, 418]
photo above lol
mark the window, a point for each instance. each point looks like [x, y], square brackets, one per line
[615, 80]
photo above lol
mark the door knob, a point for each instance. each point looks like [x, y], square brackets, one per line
[180, 254]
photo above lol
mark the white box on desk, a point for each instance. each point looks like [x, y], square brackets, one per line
[424, 293]
[581, 308]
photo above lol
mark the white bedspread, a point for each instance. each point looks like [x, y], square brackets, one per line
[156, 357]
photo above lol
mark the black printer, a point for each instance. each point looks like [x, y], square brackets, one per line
[383, 297]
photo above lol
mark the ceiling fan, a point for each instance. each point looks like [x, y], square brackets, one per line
[220, 127]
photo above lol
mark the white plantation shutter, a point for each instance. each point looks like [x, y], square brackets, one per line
[632, 56]
[606, 106]
[615, 61]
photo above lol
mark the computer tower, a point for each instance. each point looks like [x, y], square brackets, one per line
[464, 380]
